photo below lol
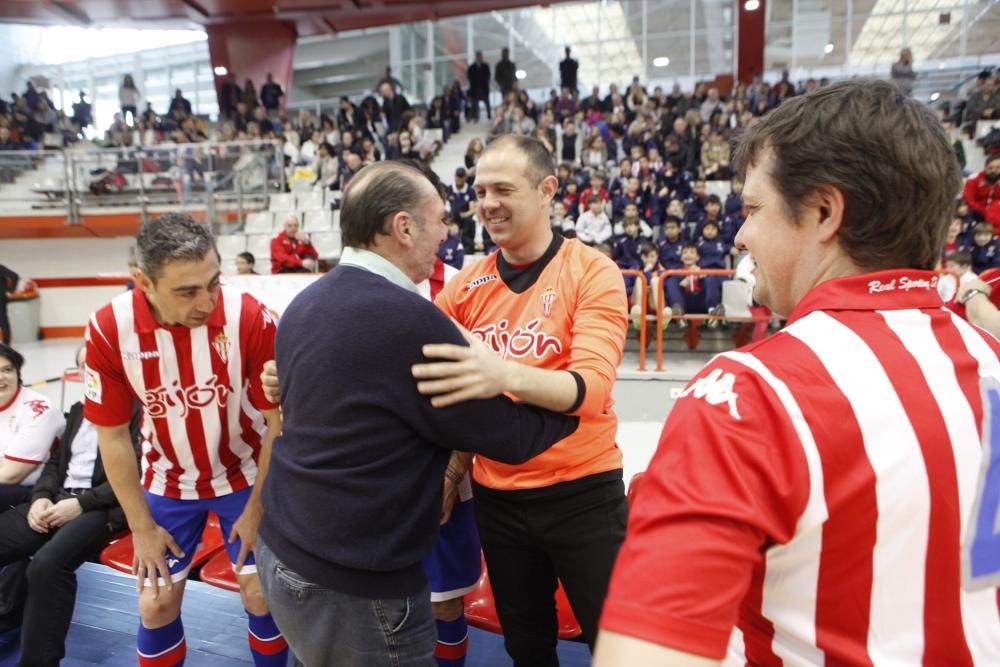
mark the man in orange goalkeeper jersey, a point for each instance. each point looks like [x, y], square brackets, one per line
[547, 317]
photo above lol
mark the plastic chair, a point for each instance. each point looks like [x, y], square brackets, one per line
[481, 610]
[218, 572]
[633, 487]
[119, 554]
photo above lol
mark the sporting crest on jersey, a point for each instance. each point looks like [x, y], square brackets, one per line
[38, 406]
[221, 345]
[548, 298]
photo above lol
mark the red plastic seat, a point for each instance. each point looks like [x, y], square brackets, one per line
[481, 610]
[218, 572]
[119, 554]
[633, 487]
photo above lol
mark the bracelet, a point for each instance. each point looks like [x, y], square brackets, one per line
[971, 293]
[453, 475]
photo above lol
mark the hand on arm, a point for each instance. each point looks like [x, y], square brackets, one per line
[458, 465]
[151, 542]
[975, 294]
[476, 372]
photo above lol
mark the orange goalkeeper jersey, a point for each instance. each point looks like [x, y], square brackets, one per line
[566, 312]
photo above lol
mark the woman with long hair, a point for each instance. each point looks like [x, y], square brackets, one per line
[128, 99]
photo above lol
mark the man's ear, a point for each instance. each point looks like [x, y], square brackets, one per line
[548, 187]
[828, 205]
[144, 282]
[400, 228]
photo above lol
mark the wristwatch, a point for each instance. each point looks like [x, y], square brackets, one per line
[971, 293]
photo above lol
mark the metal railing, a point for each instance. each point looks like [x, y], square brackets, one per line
[211, 177]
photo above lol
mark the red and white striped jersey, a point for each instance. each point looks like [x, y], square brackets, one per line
[430, 288]
[201, 427]
[30, 427]
[814, 490]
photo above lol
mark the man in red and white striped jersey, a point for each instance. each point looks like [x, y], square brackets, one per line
[186, 348]
[818, 497]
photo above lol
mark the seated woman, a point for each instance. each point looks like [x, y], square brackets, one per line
[71, 515]
[29, 428]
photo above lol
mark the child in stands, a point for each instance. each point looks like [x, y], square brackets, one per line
[986, 250]
[593, 225]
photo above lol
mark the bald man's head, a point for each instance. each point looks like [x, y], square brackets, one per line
[374, 195]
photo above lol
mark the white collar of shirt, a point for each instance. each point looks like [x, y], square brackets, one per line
[377, 264]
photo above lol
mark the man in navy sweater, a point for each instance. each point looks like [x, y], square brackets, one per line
[353, 496]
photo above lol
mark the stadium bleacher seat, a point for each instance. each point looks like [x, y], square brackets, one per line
[259, 245]
[218, 572]
[118, 555]
[230, 245]
[260, 222]
[283, 202]
[633, 487]
[318, 221]
[327, 244]
[481, 610]
[312, 200]
[719, 188]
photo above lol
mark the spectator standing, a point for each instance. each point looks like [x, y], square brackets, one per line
[180, 106]
[902, 72]
[8, 283]
[250, 96]
[567, 72]
[397, 85]
[291, 249]
[128, 99]
[982, 192]
[229, 96]
[393, 106]
[479, 86]
[271, 94]
[874, 399]
[82, 114]
[71, 514]
[505, 72]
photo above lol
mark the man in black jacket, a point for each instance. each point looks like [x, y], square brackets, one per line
[567, 72]
[505, 72]
[71, 516]
[479, 86]
[393, 106]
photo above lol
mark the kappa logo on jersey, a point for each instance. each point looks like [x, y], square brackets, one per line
[221, 345]
[519, 343]
[91, 385]
[140, 356]
[548, 298]
[479, 282]
[161, 400]
[38, 406]
[268, 316]
[716, 388]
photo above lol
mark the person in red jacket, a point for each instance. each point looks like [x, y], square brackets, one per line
[291, 250]
[982, 192]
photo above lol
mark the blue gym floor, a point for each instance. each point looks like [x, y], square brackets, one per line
[106, 617]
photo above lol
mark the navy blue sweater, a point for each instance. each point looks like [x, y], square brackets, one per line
[353, 497]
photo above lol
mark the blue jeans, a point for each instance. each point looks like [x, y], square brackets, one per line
[328, 628]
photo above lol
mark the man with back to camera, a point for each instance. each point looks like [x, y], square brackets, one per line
[368, 453]
[185, 347]
[818, 489]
